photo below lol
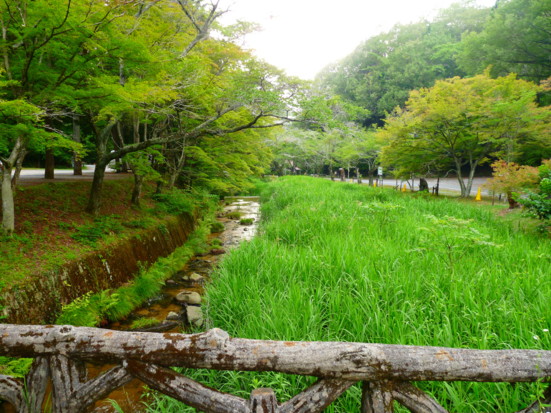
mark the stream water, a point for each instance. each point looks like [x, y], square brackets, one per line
[167, 307]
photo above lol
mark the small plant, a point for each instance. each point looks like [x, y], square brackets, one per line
[234, 215]
[215, 243]
[143, 322]
[65, 225]
[27, 227]
[15, 367]
[175, 202]
[217, 227]
[246, 221]
[99, 229]
[453, 237]
[137, 223]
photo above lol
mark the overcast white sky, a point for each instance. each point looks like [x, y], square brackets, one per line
[303, 36]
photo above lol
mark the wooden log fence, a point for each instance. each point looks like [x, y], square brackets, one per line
[386, 371]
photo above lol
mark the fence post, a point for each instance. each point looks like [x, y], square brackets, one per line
[377, 397]
[263, 401]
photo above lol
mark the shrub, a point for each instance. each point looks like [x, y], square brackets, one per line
[143, 322]
[234, 215]
[538, 204]
[99, 229]
[175, 202]
[217, 227]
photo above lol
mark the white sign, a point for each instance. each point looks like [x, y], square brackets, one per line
[380, 171]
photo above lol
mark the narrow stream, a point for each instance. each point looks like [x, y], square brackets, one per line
[177, 306]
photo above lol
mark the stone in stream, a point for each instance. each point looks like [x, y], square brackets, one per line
[194, 315]
[173, 316]
[218, 251]
[193, 277]
[188, 297]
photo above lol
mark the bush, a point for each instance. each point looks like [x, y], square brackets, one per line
[99, 229]
[217, 227]
[234, 215]
[538, 204]
[175, 202]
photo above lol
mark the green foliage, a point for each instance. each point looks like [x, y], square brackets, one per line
[246, 221]
[538, 203]
[175, 202]
[98, 230]
[90, 309]
[459, 124]
[514, 39]
[234, 214]
[138, 223]
[329, 265]
[379, 74]
[453, 238]
[15, 367]
[143, 322]
[217, 226]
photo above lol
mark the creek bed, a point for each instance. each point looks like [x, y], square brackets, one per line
[190, 279]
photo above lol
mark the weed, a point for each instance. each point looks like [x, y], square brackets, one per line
[338, 265]
[175, 202]
[143, 322]
[215, 243]
[99, 229]
[246, 221]
[141, 223]
[234, 215]
[217, 227]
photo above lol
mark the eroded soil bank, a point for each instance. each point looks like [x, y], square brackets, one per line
[41, 297]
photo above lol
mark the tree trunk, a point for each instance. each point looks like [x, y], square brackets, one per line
[8, 207]
[18, 167]
[512, 202]
[102, 160]
[172, 177]
[159, 189]
[460, 178]
[370, 178]
[94, 201]
[470, 179]
[50, 164]
[77, 161]
[137, 191]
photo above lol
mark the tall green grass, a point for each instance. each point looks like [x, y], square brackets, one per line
[342, 262]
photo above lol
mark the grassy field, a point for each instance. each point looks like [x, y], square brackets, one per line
[343, 262]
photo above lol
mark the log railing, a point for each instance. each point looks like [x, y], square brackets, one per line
[386, 371]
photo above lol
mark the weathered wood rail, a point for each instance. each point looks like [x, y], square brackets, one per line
[60, 354]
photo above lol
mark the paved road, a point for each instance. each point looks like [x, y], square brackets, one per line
[446, 184]
[32, 176]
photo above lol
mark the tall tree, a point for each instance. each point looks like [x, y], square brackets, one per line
[461, 123]
[379, 74]
[515, 39]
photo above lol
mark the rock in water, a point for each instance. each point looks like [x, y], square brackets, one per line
[194, 277]
[173, 316]
[194, 315]
[189, 297]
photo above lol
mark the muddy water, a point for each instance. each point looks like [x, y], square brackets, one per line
[191, 278]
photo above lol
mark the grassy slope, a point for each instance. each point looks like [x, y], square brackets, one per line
[48, 215]
[349, 263]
